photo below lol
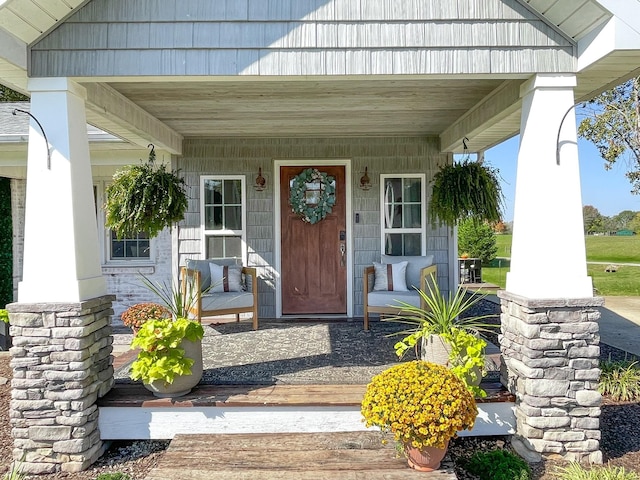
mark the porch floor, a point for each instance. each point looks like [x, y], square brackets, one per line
[295, 352]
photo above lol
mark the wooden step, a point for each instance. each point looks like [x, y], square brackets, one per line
[288, 456]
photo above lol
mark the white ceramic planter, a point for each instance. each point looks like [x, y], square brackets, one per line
[184, 383]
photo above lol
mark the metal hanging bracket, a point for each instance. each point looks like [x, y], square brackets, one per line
[43, 134]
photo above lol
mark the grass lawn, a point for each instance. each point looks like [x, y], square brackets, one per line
[626, 281]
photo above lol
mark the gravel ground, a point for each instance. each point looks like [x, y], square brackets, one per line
[620, 426]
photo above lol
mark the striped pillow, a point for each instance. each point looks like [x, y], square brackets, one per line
[225, 278]
[390, 276]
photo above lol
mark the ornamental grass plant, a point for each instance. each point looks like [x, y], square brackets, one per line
[575, 471]
[620, 380]
[422, 404]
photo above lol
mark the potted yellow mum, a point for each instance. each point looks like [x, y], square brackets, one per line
[423, 405]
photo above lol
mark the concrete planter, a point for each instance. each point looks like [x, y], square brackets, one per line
[5, 339]
[184, 383]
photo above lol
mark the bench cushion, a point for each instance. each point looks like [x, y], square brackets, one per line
[389, 299]
[225, 300]
[416, 263]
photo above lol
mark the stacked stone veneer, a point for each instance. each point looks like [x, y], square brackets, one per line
[551, 351]
[61, 360]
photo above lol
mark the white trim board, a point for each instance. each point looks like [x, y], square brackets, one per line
[148, 423]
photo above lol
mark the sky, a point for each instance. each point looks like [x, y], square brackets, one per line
[607, 190]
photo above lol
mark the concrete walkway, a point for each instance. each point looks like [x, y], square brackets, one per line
[620, 323]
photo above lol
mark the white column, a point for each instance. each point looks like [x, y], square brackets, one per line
[548, 258]
[61, 252]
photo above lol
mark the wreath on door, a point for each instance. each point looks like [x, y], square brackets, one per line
[312, 195]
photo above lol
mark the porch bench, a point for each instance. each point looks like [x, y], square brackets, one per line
[211, 303]
[385, 302]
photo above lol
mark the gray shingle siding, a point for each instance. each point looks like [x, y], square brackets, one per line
[293, 37]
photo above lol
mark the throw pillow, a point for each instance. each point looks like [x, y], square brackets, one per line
[225, 278]
[390, 276]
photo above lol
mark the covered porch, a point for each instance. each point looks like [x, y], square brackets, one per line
[228, 88]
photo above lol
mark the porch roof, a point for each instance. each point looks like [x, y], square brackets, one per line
[484, 108]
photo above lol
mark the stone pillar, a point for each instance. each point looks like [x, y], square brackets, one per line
[61, 360]
[551, 352]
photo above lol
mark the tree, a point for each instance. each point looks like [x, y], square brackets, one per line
[635, 224]
[500, 228]
[592, 218]
[623, 218]
[477, 239]
[613, 126]
[8, 95]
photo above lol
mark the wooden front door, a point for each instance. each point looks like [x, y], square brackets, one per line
[313, 256]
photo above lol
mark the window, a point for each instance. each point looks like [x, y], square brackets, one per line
[128, 248]
[123, 249]
[223, 203]
[403, 214]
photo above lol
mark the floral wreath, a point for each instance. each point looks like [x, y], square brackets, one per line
[298, 199]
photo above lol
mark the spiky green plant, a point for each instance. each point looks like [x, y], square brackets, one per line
[620, 380]
[15, 472]
[442, 316]
[575, 471]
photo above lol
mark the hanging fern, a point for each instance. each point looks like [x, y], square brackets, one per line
[145, 198]
[465, 190]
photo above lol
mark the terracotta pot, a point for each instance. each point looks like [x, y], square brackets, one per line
[425, 459]
[182, 384]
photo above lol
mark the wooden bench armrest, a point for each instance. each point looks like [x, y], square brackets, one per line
[370, 270]
[253, 273]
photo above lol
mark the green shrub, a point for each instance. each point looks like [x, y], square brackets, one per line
[620, 380]
[4, 316]
[498, 465]
[477, 239]
[6, 243]
[575, 471]
[113, 476]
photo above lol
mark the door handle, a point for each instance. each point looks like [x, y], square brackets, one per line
[343, 251]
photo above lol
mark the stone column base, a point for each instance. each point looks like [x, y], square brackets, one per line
[551, 353]
[62, 363]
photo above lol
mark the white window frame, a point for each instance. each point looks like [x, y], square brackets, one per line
[423, 211]
[104, 233]
[242, 233]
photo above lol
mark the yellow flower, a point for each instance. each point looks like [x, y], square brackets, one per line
[419, 402]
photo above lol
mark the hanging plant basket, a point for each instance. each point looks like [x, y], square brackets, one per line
[463, 190]
[312, 195]
[145, 198]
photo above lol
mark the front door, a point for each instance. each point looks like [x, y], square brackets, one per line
[313, 256]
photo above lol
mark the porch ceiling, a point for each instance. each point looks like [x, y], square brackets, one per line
[323, 107]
